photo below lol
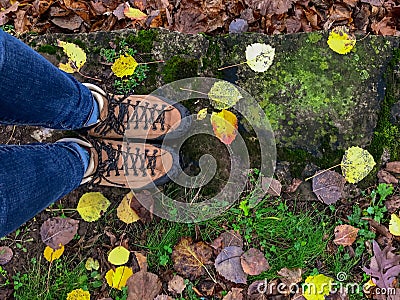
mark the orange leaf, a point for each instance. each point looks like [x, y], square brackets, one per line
[225, 126]
[134, 13]
[345, 235]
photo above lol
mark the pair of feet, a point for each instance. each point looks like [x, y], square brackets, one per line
[119, 152]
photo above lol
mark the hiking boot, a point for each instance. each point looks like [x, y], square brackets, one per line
[138, 116]
[127, 164]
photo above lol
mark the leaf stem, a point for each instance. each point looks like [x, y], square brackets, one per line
[323, 171]
[189, 90]
[231, 66]
[88, 77]
[151, 62]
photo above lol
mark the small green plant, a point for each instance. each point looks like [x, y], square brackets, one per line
[8, 28]
[4, 281]
[377, 207]
[165, 257]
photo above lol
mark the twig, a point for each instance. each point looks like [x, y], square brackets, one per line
[12, 133]
[363, 37]
[88, 77]
[231, 66]
[189, 90]
[323, 171]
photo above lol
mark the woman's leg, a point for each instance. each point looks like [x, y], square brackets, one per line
[34, 92]
[34, 176]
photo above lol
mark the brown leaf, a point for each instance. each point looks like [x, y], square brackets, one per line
[176, 285]
[351, 3]
[56, 231]
[228, 264]
[393, 204]
[290, 276]
[141, 261]
[190, 19]
[384, 28]
[21, 22]
[98, 7]
[190, 258]
[270, 7]
[275, 187]
[3, 14]
[163, 297]
[328, 186]
[293, 25]
[6, 254]
[386, 177]
[228, 238]
[78, 7]
[294, 185]
[345, 235]
[70, 22]
[254, 262]
[206, 287]
[234, 294]
[258, 290]
[373, 2]
[147, 199]
[393, 166]
[119, 11]
[143, 285]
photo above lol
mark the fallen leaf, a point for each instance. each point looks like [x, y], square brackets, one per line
[254, 262]
[163, 297]
[238, 26]
[21, 21]
[290, 276]
[92, 264]
[76, 57]
[78, 294]
[384, 266]
[119, 256]
[71, 22]
[394, 225]
[141, 260]
[125, 65]
[119, 11]
[6, 254]
[228, 264]
[139, 202]
[224, 95]
[3, 13]
[393, 166]
[224, 126]
[340, 40]
[294, 185]
[143, 285]
[134, 13]
[118, 278]
[373, 2]
[386, 177]
[226, 239]
[328, 186]
[356, 164]
[50, 254]
[234, 294]
[259, 57]
[270, 7]
[319, 286]
[91, 206]
[202, 114]
[176, 285]
[190, 258]
[274, 186]
[393, 204]
[345, 235]
[56, 231]
[206, 287]
[124, 211]
[258, 290]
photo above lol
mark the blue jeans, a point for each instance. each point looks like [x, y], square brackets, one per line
[34, 92]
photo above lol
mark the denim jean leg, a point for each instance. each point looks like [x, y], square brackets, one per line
[34, 92]
[34, 176]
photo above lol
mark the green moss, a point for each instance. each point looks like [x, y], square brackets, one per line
[314, 37]
[49, 49]
[212, 59]
[143, 40]
[178, 68]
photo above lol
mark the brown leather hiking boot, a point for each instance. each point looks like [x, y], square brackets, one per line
[138, 117]
[127, 164]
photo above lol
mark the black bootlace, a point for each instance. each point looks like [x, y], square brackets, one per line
[134, 161]
[143, 112]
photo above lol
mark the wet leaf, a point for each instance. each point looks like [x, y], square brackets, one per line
[345, 235]
[225, 126]
[125, 65]
[254, 262]
[356, 164]
[176, 285]
[76, 57]
[202, 114]
[143, 285]
[190, 258]
[50, 254]
[340, 40]
[234, 294]
[56, 231]
[394, 225]
[384, 266]
[319, 287]
[6, 254]
[118, 278]
[328, 186]
[92, 205]
[228, 264]
[134, 13]
[92, 264]
[119, 256]
[78, 294]
[124, 211]
[224, 95]
[259, 57]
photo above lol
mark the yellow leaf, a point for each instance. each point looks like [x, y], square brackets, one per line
[78, 294]
[318, 287]
[134, 13]
[66, 68]
[394, 225]
[259, 57]
[118, 256]
[92, 264]
[124, 211]
[91, 205]
[202, 114]
[124, 66]
[356, 164]
[117, 279]
[76, 56]
[225, 126]
[224, 95]
[50, 254]
[340, 40]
